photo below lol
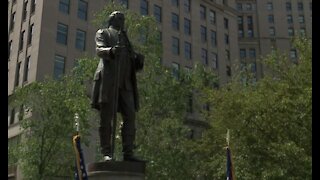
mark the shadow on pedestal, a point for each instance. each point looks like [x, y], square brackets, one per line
[117, 170]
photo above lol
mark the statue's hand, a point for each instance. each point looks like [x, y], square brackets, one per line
[115, 50]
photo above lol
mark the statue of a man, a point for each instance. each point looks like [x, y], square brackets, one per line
[115, 86]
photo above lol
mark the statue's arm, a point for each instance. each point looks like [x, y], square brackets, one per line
[102, 49]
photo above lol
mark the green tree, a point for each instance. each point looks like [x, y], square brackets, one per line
[270, 121]
[45, 149]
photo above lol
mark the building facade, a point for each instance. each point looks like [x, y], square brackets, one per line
[46, 37]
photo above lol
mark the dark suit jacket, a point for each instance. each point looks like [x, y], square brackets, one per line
[105, 75]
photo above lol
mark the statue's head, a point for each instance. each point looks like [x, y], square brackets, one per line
[116, 20]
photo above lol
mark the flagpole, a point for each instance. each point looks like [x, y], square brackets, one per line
[75, 137]
[230, 167]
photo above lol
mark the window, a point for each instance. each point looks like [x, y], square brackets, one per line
[250, 21]
[228, 71]
[186, 5]
[9, 49]
[202, 12]
[175, 3]
[187, 50]
[175, 70]
[250, 33]
[175, 21]
[214, 60]
[240, 20]
[293, 54]
[226, 38]
[144, 7]
[31, 29]
[301, 19]
[24, 12]
[203, 31]
[271, 19]
[253, 67]
[124, 3]
[252, 53]
[272, 31]
[33, 6]
[17, 77]
[80, 40]
[227, 54]
[12, 116]
[213, 38]
[204, 56]
[289, 19]
[82, 9]
[269, 6]
[12, 20]
[26, 69]
[59, 62]
[157, 13]
[239, 6]
[242, 53]
[212, 17]
[302, 32]
[240, 33]
[62, 34]
[64, 6]
[300, 6]
[290, 32]
[21, 40]
[248, 7]
[226, 23]
[288, 6]
[175, 46]
[187, 26]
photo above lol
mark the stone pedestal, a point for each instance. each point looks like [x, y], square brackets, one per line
[116, 170]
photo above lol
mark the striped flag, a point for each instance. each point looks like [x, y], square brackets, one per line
[80, 168]
[230, 170]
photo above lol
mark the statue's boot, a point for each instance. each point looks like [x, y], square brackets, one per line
[105, 143]
[128, 146]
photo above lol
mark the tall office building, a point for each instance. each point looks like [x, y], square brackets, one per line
[47, 36]
[264, 25]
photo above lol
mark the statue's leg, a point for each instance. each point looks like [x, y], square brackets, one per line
[128, 130]
[105, 128]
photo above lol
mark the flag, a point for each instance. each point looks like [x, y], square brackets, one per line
[230, 170]
[80, 168]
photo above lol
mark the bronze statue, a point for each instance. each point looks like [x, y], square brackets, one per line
[115, 86]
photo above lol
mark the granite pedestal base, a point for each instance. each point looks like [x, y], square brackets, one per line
[116, 170]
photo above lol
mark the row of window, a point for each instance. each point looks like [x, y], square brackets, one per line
[246, 6]
[241, 26]
[25, 72]
[62, 36]
[289, 19]
[176, 67]
[59, 69]
[272, 31]
[289, 6]
[22, 40]
[252, 53]
[24, 13]
[64, 7]
[187, 45]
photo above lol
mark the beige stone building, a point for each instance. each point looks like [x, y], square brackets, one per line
[267, 24]
[45, 37]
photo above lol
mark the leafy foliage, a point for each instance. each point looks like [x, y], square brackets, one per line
[45, 149]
